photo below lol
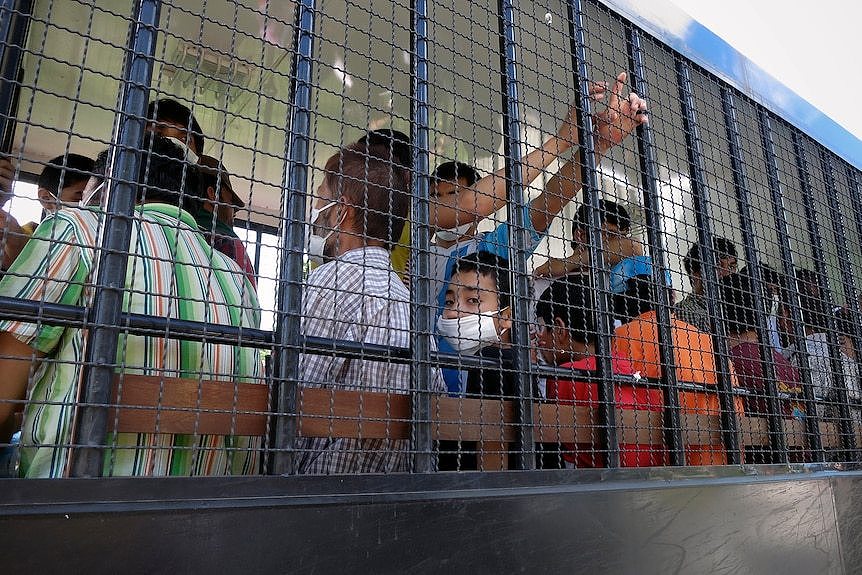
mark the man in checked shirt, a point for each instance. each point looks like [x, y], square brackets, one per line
[357, 215]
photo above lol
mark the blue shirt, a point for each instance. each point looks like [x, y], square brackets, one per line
[632, 267]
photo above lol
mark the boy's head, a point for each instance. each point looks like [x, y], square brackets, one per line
[63, 181]
[449, 179]
[567, 325]
[171, 119]
[725, 254]
[477, 303]
[637, 298]
[616, 223]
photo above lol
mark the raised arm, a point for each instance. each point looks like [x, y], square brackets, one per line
[612, 126]
[619, 246]
[489, 194]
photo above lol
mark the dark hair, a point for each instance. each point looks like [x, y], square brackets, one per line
[571, 300]
[164, 175]
[737, 296]
[638, 298]
[71, 169]
[172, 111]
[453, 171]
[367, 180]
[488, 264]
[721, 247]
[811, 303]
[611, 213]
[397, 143]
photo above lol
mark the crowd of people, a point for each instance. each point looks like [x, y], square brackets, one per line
[186, 262]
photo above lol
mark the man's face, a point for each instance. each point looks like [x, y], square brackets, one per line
[326, 222]
[225, 210]
[726, 266]
[171, 129]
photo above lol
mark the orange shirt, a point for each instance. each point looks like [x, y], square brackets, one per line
[638, 340]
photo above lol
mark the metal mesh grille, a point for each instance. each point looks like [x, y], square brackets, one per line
[361, 237]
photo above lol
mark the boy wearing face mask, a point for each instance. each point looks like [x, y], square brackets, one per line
[477, 320]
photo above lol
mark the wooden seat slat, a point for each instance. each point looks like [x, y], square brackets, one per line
[185, 406]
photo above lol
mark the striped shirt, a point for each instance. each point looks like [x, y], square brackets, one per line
[172, 273]
[357, 297]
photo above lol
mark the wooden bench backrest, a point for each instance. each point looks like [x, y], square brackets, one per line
[153, 404]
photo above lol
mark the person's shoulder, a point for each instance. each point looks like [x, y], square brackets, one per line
[73, 216]
[321, 275]
[82, 223]
[637, 325]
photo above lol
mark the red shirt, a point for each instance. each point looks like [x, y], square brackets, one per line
[625, 396]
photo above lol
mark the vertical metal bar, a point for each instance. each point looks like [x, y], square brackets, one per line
[812, 428]
[743, 206]
[592, 196]
[700, 195]
[102, 341]
[849, 285]
[518, 239]
[288, 326]
[14, 23]
[655, 238]
[422, 441]
[814, 239]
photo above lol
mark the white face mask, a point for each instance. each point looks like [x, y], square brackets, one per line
[189, 154]
[453, 234]
[315, 244]
[470, 333]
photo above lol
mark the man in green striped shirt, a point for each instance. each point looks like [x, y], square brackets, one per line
[171, 272]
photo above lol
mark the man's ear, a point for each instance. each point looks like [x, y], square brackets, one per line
[505, 318]
[211, 193]
[347, 218]
[46, 198]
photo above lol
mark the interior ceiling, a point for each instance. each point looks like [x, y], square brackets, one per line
[230, 61]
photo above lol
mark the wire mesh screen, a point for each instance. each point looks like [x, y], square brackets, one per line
[257, 237]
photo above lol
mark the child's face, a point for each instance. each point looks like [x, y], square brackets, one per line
[554, 340]
[470, 292]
